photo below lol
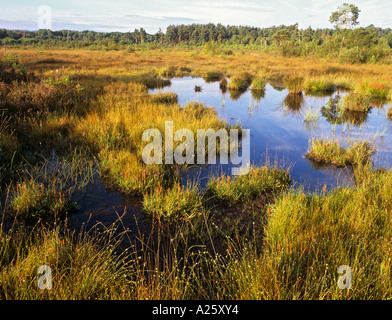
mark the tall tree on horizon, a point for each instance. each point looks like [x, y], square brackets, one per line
[346, 17]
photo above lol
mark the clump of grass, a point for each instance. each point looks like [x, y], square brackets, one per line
[223, 85]
[318, 86]
[310, 236]
[343, 83]
[174, 203]
[258, 84]
[34, 201]
[212, 76]
[240, 82]
[151, 81]
[257, 182]
[164, 97]
[294, 83]
[331, 152]
[375, 90]
[198, 88]
[166, 72]
[356, 102]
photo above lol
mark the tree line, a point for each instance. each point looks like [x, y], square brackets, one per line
[362, 44]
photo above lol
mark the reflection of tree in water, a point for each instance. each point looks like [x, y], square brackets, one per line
[293, 103]
[335, 113]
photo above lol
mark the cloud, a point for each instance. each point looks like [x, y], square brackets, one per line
[125, 15]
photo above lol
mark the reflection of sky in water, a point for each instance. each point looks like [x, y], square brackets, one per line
[278, 131]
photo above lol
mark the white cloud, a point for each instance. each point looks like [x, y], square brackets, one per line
[124, 15]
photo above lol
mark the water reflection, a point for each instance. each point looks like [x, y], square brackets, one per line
[236, 94]
[257, 94]
[285, 123]
[293, 103]
[335, 114]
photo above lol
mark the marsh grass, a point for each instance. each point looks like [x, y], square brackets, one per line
[305, 237]
[331, 152]
[257, 182]
[258, 84]
[356, 103]
[294, 83]
[174, 203]
[212, 76]
[318, 86]
[164, 97]
[376, 91]
[240, 81]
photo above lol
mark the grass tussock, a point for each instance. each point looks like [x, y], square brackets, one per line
[257, 182]
[318, 86]
[258, 84]
[294, 83]
[164, 97]
[240, 82]
[175, 203]
[376, 91]
[356, 103]
[331, 152]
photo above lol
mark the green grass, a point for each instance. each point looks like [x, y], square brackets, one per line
[240, 82]
[318, 85]
[376, 91]
[331, 152]
[175, 203]
[257, 182]
[258, 84]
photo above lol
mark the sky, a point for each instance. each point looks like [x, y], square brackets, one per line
[126, 15]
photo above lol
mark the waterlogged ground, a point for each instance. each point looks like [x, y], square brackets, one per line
[279, 131]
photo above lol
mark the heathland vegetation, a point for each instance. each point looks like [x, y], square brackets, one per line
[70, 116]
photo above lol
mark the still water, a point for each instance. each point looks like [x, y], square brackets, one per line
[279, 131]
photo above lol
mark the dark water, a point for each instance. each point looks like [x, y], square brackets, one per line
[279, 132]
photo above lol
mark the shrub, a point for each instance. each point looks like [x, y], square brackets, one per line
[352, 55]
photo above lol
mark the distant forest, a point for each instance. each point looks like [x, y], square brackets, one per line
[364, 44]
